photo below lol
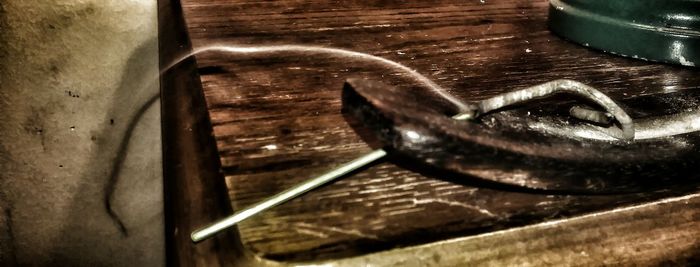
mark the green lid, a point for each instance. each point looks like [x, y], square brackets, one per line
[656, 30]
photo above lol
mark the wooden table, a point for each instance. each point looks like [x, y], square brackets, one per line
[276, 121]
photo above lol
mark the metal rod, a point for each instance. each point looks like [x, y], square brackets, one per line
[208, 231]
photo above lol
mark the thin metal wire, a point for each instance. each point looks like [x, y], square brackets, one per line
[336, 52]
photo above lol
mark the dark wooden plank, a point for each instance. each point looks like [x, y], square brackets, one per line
[193, 186]
[277, 117]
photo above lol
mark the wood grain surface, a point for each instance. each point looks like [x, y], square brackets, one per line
[277, 117]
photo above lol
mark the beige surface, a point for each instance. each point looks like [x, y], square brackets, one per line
[75, 76]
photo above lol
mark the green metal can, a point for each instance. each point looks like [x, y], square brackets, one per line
[655, 30]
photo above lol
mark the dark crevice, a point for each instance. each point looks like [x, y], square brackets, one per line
[111, 184]
[11, 237]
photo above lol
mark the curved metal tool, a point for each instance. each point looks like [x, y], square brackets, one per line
[539, 146]
[414, 123]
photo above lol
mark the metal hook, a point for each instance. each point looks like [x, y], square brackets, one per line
[626, 131]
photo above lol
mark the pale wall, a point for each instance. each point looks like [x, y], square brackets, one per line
[74, 77]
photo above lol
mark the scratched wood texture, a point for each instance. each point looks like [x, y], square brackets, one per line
[277, 121]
